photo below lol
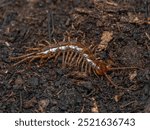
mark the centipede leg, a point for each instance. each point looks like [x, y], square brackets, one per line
[42, 59]
[93, 48]
[73, 58]
[86, 67]
[46, 43]
[80, 58]
[89, 69]
[49, 56]
[63, 59]
[95, 72]
[32, 49]
[32, 59]
[20, 57]
[25, 59]
[57, 55]
[82, 65]
[70, 57]
[67, 55]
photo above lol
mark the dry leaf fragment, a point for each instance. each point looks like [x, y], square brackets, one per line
[137, 19]
[148, 36]
[83, 10]
[42, 105]
[105, 39]
[118, 97]
[111, 3]
[132, 75]
[30, 103]
[94, 109]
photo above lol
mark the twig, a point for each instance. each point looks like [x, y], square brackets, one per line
[148, 39]
[146, 9]
[147, 35]
[50, 25]
[20, 101]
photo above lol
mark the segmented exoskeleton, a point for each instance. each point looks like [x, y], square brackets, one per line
[73, 54]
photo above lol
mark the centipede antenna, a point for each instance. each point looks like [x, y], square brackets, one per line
[109, 79]
[123, 68]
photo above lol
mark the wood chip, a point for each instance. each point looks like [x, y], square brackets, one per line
[42, 105]
[83, 10]
[132, 75]
[132, 18]
[105, 39]
[118, 97]
[111, 3]
[148, 36]
[30, 103]
[94, 109]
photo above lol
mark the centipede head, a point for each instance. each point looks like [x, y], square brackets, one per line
[102, 68]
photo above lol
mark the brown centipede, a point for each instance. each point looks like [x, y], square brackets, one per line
[73, 53]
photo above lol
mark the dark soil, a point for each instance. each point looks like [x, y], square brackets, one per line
[51, 88]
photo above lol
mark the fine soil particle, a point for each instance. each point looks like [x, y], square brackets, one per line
[26, 24]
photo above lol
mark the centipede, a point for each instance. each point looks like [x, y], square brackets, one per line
[72, 54]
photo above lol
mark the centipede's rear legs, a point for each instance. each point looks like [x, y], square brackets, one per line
[45, 58]
[22, 56]
[32, 49]
[19, 62]
[32, 59]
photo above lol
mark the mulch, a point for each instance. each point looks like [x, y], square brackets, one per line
[51, 88]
